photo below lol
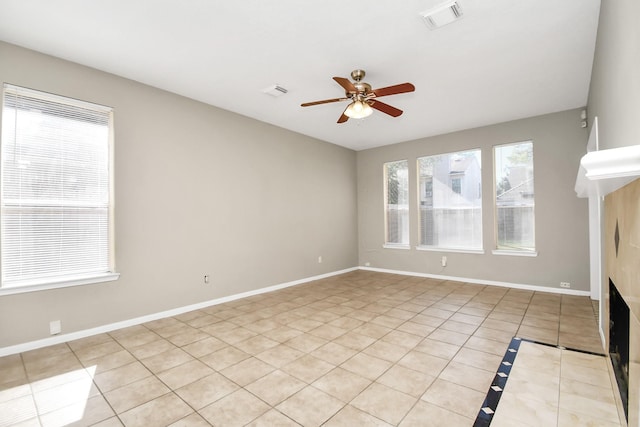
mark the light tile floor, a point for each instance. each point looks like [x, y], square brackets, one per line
[549, 386]
[362, 348]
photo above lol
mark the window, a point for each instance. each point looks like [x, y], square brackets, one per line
[450, 203]
[515, 225]
[456, 185]
[428, 187]
[396, 203]
[56, 220]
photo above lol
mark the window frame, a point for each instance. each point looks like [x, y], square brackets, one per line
[61, 280]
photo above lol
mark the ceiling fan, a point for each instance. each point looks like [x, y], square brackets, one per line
[363, 98]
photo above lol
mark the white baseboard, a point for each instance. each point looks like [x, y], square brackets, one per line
[603, 339]
[482, 282]
[57, 339]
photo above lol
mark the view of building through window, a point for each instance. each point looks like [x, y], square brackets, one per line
[514, 189]
[396, 175]
[450, 201]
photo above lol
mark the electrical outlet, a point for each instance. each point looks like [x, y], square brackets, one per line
[320, 259]
[206, 279]
[55, 327]
[565, 284]
[444, 261]
[367, 264]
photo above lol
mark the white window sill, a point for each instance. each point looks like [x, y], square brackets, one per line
[458, 251]
[61, 283]
[515, 253]
[396, 246]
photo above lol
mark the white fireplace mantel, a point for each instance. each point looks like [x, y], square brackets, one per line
[604, 171]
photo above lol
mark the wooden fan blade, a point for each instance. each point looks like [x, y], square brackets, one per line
[385, 108]
[395, 89]
[346, 84]
[343, 118]
[325, 101]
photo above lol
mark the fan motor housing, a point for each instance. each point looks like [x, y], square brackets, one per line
[362, 87]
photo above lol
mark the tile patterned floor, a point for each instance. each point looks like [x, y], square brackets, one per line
[550, 386]
[362, 348]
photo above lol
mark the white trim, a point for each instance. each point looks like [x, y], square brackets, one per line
[506, 252]
[396, 246]
[458, 251]
[61, 283]
[526, 287]
[596, 248]
[57, 339]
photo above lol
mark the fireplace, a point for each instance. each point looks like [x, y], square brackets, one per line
[619, 342]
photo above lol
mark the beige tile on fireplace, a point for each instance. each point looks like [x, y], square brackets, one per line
[622, 213]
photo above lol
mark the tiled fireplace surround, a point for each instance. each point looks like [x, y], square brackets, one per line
[622, 209]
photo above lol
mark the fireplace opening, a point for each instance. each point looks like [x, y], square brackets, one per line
[619, 342]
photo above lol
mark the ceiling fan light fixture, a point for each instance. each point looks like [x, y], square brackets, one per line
[362, 98]
[358, 110]
[442, 14]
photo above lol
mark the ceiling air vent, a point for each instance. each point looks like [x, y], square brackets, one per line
[442, 14]
[275, 90]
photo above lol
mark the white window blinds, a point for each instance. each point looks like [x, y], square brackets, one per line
[56, 219]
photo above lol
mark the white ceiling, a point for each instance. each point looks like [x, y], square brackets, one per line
[503, 60]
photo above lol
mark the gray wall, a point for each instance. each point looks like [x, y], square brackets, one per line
[198, 190]
[614, 95]
[561, 218]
